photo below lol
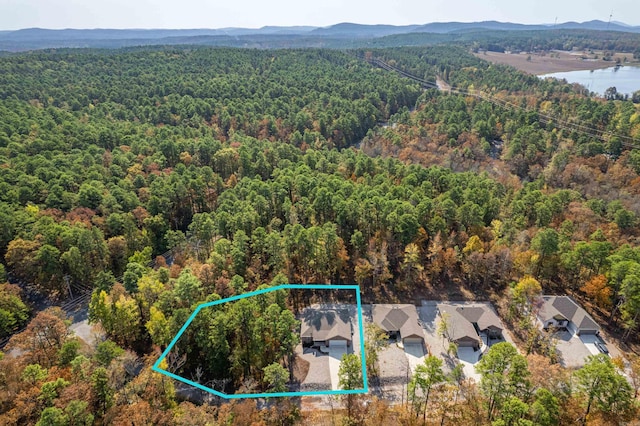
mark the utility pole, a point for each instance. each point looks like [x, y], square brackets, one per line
[609, 23]
[67, 281]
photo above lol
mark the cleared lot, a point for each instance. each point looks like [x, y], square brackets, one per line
[86, 332]
[538, 64]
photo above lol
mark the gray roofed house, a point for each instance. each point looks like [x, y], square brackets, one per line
[466, 322]
[399, 320]
[325, 328]
[564, 313]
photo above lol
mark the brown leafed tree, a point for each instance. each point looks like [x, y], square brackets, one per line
[544, 374]
[43, 337]
[598, 290]
[189, 414]
[244, 413]
[138, 414]
[21, 258]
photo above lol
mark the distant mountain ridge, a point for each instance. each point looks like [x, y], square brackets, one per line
[362, 30]
[122, 34]
[448, 27]
[40, 38]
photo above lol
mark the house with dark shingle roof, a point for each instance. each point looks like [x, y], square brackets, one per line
[327, 327]
[399, 321]
[466, 323]
[562, 312]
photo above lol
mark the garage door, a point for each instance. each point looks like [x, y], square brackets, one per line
[337, 343]
[466, 342]
[412, 341]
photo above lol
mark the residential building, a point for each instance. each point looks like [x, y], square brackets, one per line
[326, 327]
[399, 321]
[470, 325]
[562, 312]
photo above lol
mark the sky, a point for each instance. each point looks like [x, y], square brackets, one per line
[16, 14]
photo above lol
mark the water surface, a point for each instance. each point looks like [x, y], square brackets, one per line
[626, 79]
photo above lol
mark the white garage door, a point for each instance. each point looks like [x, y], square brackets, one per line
[337, 343]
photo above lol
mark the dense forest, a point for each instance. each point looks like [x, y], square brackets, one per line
[488, 35]
[527, 40]
[247, 168]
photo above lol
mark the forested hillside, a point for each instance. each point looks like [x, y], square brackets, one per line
[309, 166]
[520, 124]
[490, 35]
[526, 40]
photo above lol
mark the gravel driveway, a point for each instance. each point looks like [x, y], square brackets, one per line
[393, 365]
[318, 377]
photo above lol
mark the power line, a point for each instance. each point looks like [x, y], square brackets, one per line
[563, 124]
[560, 123]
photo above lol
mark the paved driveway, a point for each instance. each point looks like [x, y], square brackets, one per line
[335, 356]
[435, 343]
[572, 349]
[469, 358]
[589, 341]
[415, 355]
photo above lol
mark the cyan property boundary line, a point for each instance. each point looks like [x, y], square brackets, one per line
[356, 288]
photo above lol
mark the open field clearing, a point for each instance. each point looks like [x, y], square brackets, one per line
[555, 61]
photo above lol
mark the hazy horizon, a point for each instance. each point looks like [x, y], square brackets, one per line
[293, 26]
[199, 14]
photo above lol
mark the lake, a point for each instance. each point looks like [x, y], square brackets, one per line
[626, 79]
